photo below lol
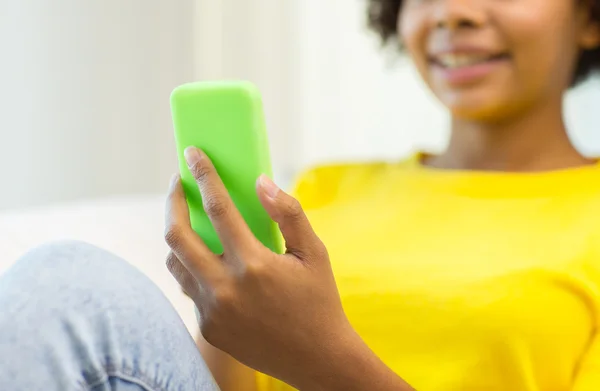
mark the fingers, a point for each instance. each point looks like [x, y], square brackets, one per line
[183, 241]
[222, 212]
[188, 283]
[300, 239]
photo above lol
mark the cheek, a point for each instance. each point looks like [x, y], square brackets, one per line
[541, 38]
[408, 28]
[413, 35]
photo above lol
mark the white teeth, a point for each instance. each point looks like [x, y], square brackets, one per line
[460, 60]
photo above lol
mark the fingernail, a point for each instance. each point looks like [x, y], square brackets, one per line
[270, 187]
[192, 156]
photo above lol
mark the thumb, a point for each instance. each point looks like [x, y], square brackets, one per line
[285, 210]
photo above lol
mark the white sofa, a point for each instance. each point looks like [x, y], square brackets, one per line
[131, 227]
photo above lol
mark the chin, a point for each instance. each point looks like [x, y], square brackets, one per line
[474, 113]
[477, 106]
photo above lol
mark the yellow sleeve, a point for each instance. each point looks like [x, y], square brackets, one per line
[588, 372]
[321, 185]
[267, 383]
[315, 186]
[588, 375]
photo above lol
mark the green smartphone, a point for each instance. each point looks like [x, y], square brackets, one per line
[225, 119]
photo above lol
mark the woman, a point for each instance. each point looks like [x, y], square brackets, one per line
[476, 269]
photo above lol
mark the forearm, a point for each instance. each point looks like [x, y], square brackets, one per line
[352, 367]
[229, 374]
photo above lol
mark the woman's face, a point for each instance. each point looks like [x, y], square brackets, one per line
[487, 60]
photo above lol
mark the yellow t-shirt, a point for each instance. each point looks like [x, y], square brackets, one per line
[466, 281]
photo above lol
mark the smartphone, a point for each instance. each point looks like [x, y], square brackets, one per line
[225, 119]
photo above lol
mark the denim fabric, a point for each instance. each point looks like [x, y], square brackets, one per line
[75, 317]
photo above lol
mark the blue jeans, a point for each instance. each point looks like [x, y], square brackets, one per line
[74, 317]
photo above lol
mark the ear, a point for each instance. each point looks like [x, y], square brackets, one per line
[589, 38]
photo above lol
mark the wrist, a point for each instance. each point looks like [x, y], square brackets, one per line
[348, 364]
[329, 358]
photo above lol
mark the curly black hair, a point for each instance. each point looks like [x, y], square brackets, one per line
[383, 19]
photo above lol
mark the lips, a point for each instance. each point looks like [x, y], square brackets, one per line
[461, 60]
[466, 67]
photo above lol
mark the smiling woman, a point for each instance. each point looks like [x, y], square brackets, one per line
[516, 46]
[383, 19]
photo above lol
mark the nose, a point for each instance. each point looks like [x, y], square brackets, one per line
[457, 14]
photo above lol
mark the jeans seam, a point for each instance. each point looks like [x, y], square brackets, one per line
[126, 377]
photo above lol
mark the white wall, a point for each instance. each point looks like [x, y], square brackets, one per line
[358, 101]
[84, 106]
[583, 117]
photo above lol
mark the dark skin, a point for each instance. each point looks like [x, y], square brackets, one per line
[281, 314]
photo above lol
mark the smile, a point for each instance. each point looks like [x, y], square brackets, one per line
[462, 69]
[454, 61]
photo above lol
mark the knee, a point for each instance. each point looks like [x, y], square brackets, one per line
[66, 253]
[71, 279]
[71, 262]
[75, 272]
[84, 308]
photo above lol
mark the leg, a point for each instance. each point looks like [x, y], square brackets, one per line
[74, 317]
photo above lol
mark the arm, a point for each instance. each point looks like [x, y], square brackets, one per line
[352, 368]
